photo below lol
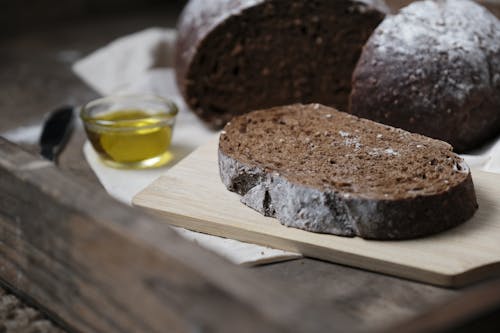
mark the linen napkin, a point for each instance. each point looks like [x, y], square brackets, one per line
[141, 63]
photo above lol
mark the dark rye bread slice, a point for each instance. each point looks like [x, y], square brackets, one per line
[234, 56]
[321, 170]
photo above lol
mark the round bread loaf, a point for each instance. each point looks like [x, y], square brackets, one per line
[321, 170]
[234, 56]
[433, 69]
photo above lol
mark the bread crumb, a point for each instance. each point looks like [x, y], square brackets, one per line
[390, 151]
[343, 134]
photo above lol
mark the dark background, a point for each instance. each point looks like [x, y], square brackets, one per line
[24, 15]
[17, 16]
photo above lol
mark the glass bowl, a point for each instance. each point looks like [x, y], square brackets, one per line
[130, 131]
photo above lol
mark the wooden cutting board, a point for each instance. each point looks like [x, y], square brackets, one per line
[192, 196]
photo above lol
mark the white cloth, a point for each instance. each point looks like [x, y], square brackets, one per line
[486, 158]
[139, 63]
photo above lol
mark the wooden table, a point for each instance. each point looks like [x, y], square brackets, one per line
[94, 264]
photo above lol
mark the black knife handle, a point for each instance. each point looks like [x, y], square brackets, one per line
[48, 153]
[56, 132]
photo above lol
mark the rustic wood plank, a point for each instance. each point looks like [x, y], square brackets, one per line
[375, 300]
[458, 315]
[102, 266]
[191, 195]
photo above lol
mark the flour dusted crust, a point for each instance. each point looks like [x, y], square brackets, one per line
[234, 56]
[434, 69]
[317, 178]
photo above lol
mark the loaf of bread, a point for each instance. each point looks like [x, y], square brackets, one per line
[434, 69]
[321, 170]
[234, 56]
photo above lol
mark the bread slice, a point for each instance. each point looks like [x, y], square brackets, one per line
[318, 169]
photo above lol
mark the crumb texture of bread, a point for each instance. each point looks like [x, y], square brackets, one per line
[433, 69]
[235, 56]
[318, 169]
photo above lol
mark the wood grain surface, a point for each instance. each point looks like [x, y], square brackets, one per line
[101, 266]
[191, 195]
[477, 310]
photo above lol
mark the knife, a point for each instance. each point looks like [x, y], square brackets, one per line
[56, 132]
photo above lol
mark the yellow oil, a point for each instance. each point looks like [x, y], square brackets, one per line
[132, 138]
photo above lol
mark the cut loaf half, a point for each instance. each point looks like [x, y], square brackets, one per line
[318, 169]
[234, 56]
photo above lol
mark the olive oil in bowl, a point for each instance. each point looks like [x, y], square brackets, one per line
[129, 136]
